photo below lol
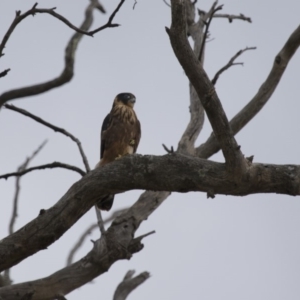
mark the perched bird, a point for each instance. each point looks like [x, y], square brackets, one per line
[120, 135]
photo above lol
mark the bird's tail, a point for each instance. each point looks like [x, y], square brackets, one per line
[105, 202]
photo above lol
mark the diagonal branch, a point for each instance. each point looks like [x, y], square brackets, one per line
[55, 128]
[129, 283]
[68, 71]
[264, 93]
[230, 64]
[205, 90]
[43, 167]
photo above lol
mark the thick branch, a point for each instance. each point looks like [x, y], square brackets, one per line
[43, 167]
[230, 64]
[160, 173]
[240, 120]
[129, 283]
[204, 88]
[55, 128]
[117, 243]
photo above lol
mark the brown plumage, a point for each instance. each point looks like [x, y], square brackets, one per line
[120, 135]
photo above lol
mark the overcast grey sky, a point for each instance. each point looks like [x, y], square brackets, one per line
[228, 248]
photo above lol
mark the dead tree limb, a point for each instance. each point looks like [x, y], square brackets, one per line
[129, 284]
[53, 165]
[67, 73]
[88, 231]
[205, 90]
[53, 127]
[230, 64]
[178, 173]
[264, 93]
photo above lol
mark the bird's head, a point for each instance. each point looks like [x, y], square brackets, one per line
[127, 99]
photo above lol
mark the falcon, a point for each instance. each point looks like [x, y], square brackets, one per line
[120, 135]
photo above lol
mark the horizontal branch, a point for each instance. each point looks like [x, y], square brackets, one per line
[171, 173]
[264, 93]
[43, 167]
[53, 127]
[230, 17]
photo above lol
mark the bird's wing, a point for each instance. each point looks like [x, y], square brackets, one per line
[138, 134]
[105, 125]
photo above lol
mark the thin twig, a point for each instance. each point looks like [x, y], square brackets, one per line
[55, 128]
[227, 16]
[171, 150]
[167, 3]
[20, 17]
[109, 22]
[88, 231]
[43, 167]
[211, 13]
[4, 73]
[230, 64]
[14, 216]
[21, 168]
[135, 3]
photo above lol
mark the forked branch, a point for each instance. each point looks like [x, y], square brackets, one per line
[230, 64]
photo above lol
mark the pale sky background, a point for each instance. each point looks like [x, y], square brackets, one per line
[228, 248]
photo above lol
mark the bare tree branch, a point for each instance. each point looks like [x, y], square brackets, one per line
[118, 243]
[174, 172]
[4, 73]
[43, 167]
[22, 168]
[230, 64]
[129, 283]
[55, 128]
[227, 16]
[264, 93]
[210, 14]
[87, 232]
[109, 22]
[205, 90]
[70, 50]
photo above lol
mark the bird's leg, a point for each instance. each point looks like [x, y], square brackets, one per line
[132, 142]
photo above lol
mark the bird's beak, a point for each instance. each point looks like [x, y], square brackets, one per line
[132, 100]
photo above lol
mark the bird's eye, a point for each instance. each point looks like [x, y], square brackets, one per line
[127, 96]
